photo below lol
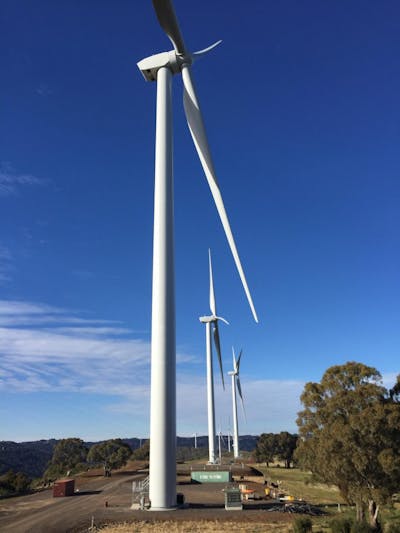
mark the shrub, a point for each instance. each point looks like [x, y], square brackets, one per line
[302, 524]
[14, 483]
[341, 525]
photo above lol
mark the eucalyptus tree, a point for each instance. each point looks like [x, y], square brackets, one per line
[350, 436]
[272, 446]
[68, 455]
[112, 454]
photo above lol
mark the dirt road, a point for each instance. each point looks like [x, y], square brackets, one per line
[41, 513]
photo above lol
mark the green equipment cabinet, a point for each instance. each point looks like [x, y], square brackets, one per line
[233, 499]
[212, 477]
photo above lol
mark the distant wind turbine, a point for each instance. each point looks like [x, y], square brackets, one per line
[236, 384]
[162, 67]
[209, 321]
[220, 437]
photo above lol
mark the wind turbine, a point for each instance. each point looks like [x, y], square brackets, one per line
[236, 384]
[209, 321]
[220, 447]
[161, 67]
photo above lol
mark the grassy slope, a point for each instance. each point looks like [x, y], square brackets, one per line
[299, 484]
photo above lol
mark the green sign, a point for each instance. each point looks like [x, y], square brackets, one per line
[212, 477]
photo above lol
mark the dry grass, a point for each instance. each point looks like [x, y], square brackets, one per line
[197, 526]
[299, 484]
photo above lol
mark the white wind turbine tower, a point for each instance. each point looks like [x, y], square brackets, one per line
[212, 321]
[236, 384]
[162, 67]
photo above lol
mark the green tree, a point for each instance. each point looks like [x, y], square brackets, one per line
[266, 448]
[112, 454]
[350, 436]
[14, 483]
[68, 455]
[285, 446]
[21, 482]
[272, 446]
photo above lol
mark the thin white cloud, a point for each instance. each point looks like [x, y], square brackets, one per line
[41, 345]
[16, 307]
[106, 359]
[11, 181]
[92, 331]
[46, 320]
[20, 313]
[42, 348]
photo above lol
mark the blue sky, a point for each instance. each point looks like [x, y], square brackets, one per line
[301, 103]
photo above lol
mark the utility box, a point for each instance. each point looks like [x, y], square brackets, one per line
[211, 477]
[233, 500]
[63, 487]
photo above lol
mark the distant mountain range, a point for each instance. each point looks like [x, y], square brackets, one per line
[33, 457]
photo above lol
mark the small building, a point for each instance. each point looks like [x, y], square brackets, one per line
[63, 487]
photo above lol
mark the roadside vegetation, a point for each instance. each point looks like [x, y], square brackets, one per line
[14, 483]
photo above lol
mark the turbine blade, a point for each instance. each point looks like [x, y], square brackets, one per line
[238, 361]
[201, 53]
[239, 388]
[234, 360]
[197, 130]
[217, 343]
[223, 319]
[169, 23]
[212, 294]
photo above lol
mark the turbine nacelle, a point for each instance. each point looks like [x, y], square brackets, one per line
[149, 66]
[212, 318]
